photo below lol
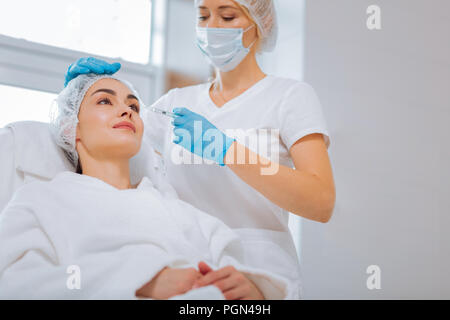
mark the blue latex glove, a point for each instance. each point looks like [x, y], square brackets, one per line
[199, 136]
[90, 65]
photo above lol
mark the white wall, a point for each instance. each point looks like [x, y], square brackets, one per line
[286, 60]
[386, 97]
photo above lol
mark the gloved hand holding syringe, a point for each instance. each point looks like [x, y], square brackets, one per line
[185, 119]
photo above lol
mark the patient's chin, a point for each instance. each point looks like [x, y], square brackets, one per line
[125, 151]
[124, 136]
[117, 145]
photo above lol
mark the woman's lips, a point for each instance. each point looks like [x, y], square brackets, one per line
[125, 125]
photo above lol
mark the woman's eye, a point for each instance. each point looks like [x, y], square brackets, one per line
[202, 18]
[135, 108]
[105, 101]
[228, 18]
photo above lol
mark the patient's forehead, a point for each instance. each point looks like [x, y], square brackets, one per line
[120, 88]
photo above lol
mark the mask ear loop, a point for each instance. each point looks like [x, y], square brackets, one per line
[251, 45]
[249, 27]
[253, 40]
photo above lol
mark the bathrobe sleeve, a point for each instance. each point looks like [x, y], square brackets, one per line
[30, 266]
[226, 249]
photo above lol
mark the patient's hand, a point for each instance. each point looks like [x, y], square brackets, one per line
[169, 282]
[233, 284]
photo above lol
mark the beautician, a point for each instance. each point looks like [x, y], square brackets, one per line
[230, 34]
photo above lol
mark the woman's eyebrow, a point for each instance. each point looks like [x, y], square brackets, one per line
[112, 92]
[132, 96]
[227, 7]
[220, 8]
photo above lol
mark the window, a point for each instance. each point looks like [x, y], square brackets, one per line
[18, 104]
[40, 39]
[110, 28]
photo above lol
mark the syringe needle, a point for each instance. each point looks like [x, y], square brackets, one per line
[165, 113]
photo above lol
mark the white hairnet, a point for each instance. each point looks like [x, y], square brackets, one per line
[64, 122]
[264, 15]
[263, 12]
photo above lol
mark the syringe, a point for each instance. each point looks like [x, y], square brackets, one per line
[164, 113]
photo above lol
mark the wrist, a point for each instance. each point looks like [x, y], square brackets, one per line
[148, 289]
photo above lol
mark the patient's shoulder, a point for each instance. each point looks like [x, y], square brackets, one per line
[36, 191]
[26, 198]
[38, 196]
[32, 190]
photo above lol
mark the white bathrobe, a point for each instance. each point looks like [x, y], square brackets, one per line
[117, 239]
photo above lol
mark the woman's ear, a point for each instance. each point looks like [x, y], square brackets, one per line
[257, 45]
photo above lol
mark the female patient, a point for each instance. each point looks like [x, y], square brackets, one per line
[122, 240]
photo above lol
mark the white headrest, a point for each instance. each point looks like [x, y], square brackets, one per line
[35, 151]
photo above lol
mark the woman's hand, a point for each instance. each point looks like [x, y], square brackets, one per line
[169, 282]
[197, 135]
[233, 284]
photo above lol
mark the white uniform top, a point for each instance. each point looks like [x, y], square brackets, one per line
[288, 105]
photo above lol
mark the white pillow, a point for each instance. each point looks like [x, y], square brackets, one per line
[35, 151]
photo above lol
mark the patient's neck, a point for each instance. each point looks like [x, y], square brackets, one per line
[115, 172]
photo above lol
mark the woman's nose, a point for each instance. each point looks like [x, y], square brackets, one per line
[213, 22]
[125, 112]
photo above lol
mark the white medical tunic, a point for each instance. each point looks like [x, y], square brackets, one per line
[77, 237]
[275, 112]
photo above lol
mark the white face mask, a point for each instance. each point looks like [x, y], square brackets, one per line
[223, 47]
